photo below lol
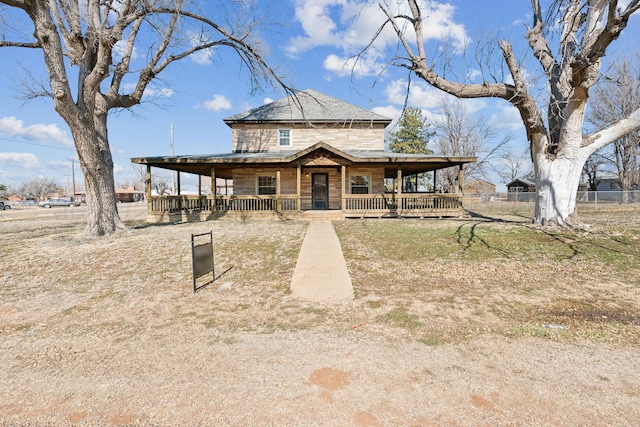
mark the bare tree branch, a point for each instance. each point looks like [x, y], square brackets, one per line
[581, 31]
[35, 45]
[418, 63]
[87, 33]
[605, 136]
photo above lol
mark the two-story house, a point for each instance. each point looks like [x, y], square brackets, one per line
[308, 152]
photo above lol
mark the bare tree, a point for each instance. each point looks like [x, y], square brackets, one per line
[511, 166]
[569, 46]
[161, 187]
[96, 41]
[41, 188]
[141, 176]
[593, 167]
[459, 133]
[615, 96]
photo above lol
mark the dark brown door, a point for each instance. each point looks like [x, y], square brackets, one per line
[320, 190]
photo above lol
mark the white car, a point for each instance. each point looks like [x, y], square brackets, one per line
[55, 202]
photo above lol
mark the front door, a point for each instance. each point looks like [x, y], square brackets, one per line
[320, 190]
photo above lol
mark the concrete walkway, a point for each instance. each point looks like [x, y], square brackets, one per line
[321, 273]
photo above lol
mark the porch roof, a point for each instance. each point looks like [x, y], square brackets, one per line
[225, 163]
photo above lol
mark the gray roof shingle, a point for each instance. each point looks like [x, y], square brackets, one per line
[316, 107]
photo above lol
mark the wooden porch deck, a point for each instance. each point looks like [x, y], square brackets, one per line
[198, 208]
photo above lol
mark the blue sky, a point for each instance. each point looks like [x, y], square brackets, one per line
[309, 47]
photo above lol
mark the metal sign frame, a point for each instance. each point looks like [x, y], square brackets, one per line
[202, 259]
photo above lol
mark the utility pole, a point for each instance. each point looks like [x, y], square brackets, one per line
[173, 174]
[73, 180]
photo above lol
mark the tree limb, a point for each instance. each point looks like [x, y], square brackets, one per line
[5, 43]
[617, 130]
[521, 98]
[418, 63]
[537, 42]
[615, 24]
[22, 4]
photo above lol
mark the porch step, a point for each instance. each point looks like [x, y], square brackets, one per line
[322, 215]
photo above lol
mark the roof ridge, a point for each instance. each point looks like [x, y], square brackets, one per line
[310, 106]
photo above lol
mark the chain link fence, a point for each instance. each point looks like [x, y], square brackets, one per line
[524, 203]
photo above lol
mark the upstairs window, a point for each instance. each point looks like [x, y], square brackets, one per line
[266, 184]
[359, 184]
[284, 137]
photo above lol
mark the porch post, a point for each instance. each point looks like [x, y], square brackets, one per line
[343, 205]
[179, 198]
[213, 189]
[461, 179]
[147, 187]
[299, 186]
[399, 191]
[278, 200]
[199, 185]
[434, 180]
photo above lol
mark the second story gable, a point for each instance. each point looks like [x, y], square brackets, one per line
[309, 118]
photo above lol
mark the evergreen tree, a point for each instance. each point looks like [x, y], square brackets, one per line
[413, 133]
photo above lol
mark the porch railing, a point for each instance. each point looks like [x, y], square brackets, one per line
[359, 205]
[407, 204]
[223, 203]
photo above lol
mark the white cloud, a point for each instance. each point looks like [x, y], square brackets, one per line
[389, 111]
[267, 100]
[218, 103]
[421, 95]
[19, 161]
[474, 75]
[349, 26]
[151, 92]
[120, 47]
[426, 97]
[203, 56]
[160, 92]
[11, 126]
[317, 23]
[369, 65]
[507, 117]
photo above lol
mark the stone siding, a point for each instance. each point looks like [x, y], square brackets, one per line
[263, 137]
[245, 182]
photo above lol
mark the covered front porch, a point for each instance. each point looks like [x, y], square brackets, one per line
[320, 181]
[204, 207]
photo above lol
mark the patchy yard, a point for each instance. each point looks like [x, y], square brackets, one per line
[455, 322]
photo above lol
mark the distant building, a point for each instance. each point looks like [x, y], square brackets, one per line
[609, 181]
[13, 198]
[519, 190]
[479, 186]
[129, 194]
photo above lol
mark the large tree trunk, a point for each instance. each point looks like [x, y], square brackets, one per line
[97, 166]
[557, 180]
[556, 186]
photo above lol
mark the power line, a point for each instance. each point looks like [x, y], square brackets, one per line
[39, 145]
[58, 148]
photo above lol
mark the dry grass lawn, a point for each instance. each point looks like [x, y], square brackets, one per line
[474, 321]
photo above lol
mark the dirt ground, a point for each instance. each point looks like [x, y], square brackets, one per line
[108, 332]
